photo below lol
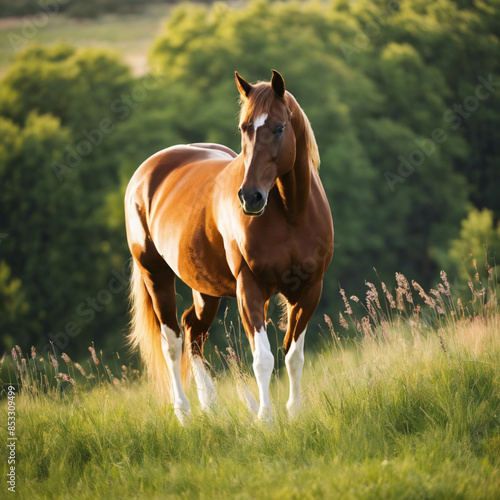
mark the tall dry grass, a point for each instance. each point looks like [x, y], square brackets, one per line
[406, 408]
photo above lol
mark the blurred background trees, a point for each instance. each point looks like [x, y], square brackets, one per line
[404, 99]
[77, 8]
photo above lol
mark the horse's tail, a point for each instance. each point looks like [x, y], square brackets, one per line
[145, 334]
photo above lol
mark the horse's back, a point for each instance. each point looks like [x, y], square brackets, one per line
[215, 147]
[167, 170]
[158, 166]
[168, 199]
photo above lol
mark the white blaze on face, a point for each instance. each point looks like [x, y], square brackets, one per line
[259, 121]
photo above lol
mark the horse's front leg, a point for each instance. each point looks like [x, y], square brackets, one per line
[252, 299]
[300, 310]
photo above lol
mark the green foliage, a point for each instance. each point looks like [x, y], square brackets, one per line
[403, 99]
[479, 241]
[363, 113]
[12, 304]
[56, 170]
[57, 79]
[19, 8]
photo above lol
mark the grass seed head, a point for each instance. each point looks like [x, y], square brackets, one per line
[444, 278]
[80, 369]
[343, 322]
[348, 309]
[94, 355]
[328, 321]
[53, 361]
[389, 296]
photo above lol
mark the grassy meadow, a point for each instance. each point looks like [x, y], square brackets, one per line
[408, 410]
[402, 400]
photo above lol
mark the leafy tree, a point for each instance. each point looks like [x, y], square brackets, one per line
[460, 42]
[13, 306]
[76, 85]
[403, 98]
[478, 244]
[56, 171]
[363, 113]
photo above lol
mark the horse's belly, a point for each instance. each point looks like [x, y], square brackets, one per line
[196, 257]
[203, 264]
[208, 280]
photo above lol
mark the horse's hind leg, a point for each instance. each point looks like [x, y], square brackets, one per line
[196, 322]
[161, 288]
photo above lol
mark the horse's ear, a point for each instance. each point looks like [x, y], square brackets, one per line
[243, 86]
[278, 84]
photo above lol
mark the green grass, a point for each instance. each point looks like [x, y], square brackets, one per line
[412, 415]
[129, 35]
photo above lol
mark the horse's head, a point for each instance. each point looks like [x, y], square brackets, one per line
[267, 139]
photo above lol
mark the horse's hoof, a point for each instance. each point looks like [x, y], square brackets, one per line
[184, 416]
[293, 410]
[246, 398]
[210, 408]
[266, 415]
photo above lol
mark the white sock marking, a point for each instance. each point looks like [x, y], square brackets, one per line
[294, 361]
[259, 121]
[204, 385]
[263, 364]
[246, 396]
[172, 351]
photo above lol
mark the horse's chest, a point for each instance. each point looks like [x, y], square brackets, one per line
[289, 262]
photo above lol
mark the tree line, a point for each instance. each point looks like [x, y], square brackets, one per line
[75, 8]
[404, 99]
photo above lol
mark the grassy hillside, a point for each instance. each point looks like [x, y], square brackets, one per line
[410, 411]
[130, 35]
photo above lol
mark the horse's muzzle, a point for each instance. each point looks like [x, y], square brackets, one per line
[253, 201]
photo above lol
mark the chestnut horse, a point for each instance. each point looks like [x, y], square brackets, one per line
[228, 225]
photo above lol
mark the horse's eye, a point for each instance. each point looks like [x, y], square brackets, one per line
[278, 130]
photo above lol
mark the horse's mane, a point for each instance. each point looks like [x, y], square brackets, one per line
[260, 101]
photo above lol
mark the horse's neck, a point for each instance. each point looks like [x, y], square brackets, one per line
[295, 185]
